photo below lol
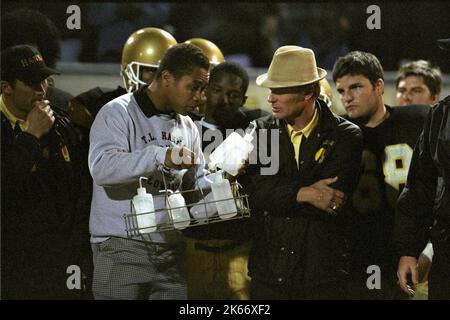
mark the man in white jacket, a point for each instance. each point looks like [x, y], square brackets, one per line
[145, 133]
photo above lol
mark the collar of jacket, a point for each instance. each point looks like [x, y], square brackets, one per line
[7, 130]
[326, 119]
[146, 105]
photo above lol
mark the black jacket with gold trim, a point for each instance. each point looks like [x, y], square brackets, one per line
[42, 205]
[298, 245]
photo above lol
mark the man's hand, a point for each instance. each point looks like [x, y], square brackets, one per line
[423, 267]
[407, 265]
[322, 196]
[40, 119]
[242, 170]
[179, 158]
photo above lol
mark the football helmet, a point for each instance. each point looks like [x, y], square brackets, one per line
[212, 51]
[143, 48]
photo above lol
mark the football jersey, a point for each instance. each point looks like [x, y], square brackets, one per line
[387, 153]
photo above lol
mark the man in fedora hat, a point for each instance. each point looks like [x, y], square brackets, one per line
[299, 212]
[424, 207]
[41, 171]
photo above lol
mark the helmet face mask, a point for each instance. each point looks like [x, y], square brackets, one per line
[131, 76]
[143, 49]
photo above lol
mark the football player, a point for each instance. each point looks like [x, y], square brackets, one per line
[389, 138]
[141, 55]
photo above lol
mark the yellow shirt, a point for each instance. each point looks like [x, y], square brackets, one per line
[12, 118]
[296, 136]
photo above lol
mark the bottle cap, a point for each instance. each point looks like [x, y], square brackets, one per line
[249, 131]
[141, 190]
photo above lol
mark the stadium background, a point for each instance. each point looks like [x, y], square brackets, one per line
[249, 33]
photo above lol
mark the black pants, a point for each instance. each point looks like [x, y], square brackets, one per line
[335, 290]
[439, 278]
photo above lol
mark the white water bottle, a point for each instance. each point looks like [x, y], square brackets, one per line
[178, 210]
[144, 209]
[232, 152]
[223, 197]
[204, 209]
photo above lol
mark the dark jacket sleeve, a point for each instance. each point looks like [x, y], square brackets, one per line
[277, 195]
[25, 151]
[269, 193]
[415, 204]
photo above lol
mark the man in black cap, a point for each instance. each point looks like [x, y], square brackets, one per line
[31, 27]
[41, 172]
[424, 205]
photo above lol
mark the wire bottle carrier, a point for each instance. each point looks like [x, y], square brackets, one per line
[240, 200]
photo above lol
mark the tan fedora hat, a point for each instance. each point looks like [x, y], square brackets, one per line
[291, 66]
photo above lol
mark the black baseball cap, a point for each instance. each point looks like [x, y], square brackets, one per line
[24, 63]
[444, 44]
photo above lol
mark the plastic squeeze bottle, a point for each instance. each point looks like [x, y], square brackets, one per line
[223, 197]
[178, 210]
[204, 209]
[231, 153]
[144, 209]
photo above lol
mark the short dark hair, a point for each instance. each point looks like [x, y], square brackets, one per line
[233, 68]
[359, 63]
[431, 75]
[181, 59]
[27, 26]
